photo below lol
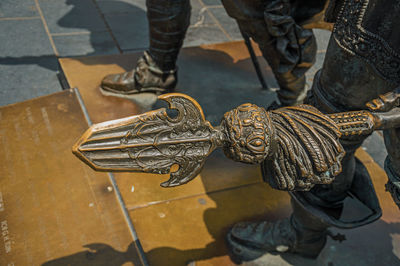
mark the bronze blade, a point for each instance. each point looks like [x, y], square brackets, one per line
[153, 142]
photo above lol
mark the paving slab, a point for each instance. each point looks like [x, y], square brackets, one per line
[120, 6]
[211, 2]
[26, 71]
[193, 229]
[54, 210]
[199, 15]
[96, 43]
[322, 37]
[204, 34]
[27, 77]
[69, 16]
[219, 173]
[228, 24]
[15, 36]
[20, 8]
[130, 29]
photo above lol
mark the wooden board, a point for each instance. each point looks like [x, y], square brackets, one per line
[177, 232]
[54, 209]
[219, 173]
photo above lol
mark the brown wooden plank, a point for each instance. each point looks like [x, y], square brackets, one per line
[86, 73]
[193, 229]
[219, 173]
[54, 209]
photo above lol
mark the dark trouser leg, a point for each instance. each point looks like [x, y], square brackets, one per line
[311, 231]
[289, 49]
[392, 163]
[168, 22]
[155, 71]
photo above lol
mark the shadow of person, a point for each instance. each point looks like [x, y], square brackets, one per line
[81, 17]
[45, 61]
[98, 254]
[374, 244]
[132, 28]
[251, 201]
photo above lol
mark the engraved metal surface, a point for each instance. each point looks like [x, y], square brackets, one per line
[350, 34]
[299, 145]
[152, 142]
[250, 134]
[308, 149]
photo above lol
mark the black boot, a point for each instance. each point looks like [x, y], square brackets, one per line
[147, 77]
[302, 233]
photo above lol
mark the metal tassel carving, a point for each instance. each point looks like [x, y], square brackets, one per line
[308, 151]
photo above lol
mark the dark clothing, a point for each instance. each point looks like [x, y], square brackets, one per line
[288, 48]
[168, 23]
[362, 62]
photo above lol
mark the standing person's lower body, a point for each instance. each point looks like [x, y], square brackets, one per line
[289, 49]
[156, 70]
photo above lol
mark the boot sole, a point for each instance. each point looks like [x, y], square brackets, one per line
[240, 253]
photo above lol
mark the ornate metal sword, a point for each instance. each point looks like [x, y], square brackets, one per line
[299, 141]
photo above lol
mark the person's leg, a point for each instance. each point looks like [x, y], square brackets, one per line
[302, 233]
[156, 70]
[305, 232]
[289, 49]
[168, 23]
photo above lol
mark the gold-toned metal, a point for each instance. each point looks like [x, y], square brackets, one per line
[358, 123]
[355, 122]
[153, 142]
[308, 150]
[250, 134]
[299, 145]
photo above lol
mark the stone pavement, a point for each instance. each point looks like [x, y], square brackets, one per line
[34, 34]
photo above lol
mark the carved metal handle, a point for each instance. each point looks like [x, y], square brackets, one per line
[301, 142]
[358, 123]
